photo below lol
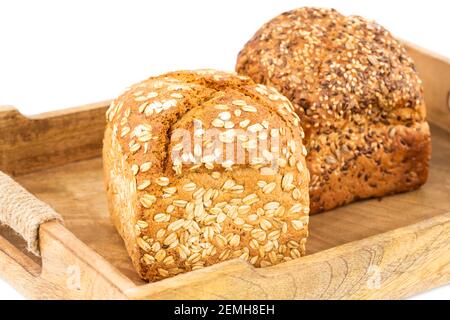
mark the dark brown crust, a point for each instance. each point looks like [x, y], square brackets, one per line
[358, 96]
[402, 165]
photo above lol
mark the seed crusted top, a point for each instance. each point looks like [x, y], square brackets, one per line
[335, 68]
[196, 204]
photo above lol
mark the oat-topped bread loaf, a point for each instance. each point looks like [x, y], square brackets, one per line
[359, 98]
[205, 166]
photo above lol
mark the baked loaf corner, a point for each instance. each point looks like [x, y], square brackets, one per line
[358, 95]
[178, 198]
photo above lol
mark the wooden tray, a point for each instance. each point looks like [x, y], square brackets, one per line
[382, 248]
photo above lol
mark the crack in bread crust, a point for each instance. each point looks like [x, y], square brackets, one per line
[180, 216]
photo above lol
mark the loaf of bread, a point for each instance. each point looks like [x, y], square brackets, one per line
[359, 98]
[205, 166]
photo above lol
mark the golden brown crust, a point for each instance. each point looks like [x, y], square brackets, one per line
[358, 96]
[177, 215]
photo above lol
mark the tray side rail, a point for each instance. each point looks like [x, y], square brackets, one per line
[434, 70]
[50, 139]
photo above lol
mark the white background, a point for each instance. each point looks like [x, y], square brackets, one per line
[57, 54]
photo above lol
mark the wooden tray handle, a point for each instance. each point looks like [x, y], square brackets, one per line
[23, 212]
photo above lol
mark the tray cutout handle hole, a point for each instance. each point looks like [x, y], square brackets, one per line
[15, 247]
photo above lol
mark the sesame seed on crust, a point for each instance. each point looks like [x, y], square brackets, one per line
[359, 98]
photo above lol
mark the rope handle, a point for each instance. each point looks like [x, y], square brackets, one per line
[23, 212]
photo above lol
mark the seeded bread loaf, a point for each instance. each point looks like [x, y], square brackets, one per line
[181, 194]
[358, 96]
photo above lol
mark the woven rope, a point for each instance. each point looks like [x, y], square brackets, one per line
[23, 212]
